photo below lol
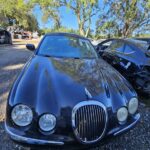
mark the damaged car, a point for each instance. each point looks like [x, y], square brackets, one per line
[66, 94]
[131, 58]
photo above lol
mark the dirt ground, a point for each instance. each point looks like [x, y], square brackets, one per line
[12, 59]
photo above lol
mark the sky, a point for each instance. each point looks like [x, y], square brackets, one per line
[68, 19]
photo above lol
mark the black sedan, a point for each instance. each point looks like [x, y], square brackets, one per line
[131, 58]
[65, 94]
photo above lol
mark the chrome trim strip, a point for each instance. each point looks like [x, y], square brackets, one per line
[85, 103]
[30, 140]
[137, 117]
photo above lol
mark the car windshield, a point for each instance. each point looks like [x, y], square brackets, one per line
[66, 46]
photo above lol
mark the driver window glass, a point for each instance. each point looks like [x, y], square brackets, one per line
[128, 49]
[117, 46]
[107, 43]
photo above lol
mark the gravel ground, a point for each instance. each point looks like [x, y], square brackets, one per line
[12, 59]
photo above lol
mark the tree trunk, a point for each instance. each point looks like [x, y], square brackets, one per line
[80, 24]
[88, 29]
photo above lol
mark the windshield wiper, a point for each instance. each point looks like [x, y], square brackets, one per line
[75, 57]
[89, 57]
[45, 55]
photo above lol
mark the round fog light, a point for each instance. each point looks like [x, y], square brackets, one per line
[47, 122]
[122, 114]
[133, 106]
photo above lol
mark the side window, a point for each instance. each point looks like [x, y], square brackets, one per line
[105, 45]
[128, 49]
[133, 54]
[117, 46]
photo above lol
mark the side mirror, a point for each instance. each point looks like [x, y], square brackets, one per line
[30, 47]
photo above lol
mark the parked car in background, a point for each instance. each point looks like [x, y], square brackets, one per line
[131, 58]
[22, 35]
[5, 37]
[67, 95]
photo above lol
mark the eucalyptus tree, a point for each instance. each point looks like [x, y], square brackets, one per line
[125, 17]
[83, 10]
[17, 12]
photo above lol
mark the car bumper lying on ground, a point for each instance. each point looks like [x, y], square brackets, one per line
[59, 140]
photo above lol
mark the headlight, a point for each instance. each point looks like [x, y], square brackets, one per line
[122, 114]
[47, 122]
[22, 115]
[133, 106]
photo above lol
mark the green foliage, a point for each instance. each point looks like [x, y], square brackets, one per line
[17, 12]
[61, 29]
[50, 10]
[142, 35]
[148, 4]
[124, 18]
[83, 9]
[121, 18]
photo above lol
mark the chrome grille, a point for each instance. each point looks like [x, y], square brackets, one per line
[89, 120]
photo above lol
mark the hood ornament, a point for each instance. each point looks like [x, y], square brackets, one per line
[88, 94]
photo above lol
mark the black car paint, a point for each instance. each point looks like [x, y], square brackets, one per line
[134, 66]
[56, 85]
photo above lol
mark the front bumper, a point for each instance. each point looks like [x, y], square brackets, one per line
[58, 141]
[28, 140]
[17, 136]
[123, 128]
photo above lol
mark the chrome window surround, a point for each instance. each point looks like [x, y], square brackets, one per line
[85, 103]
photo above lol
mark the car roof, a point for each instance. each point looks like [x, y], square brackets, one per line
[143, 39]
[67, 34]
[107, 40]
[127, 40]
[140, 44]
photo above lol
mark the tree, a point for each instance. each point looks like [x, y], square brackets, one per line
[17, 12]
[3, 21]
[30, 23]
[106, 29]
[61, 29]
[125, 17]
[50, 10]
[84, 11]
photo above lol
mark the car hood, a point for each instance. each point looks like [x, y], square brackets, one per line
[56, 84]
